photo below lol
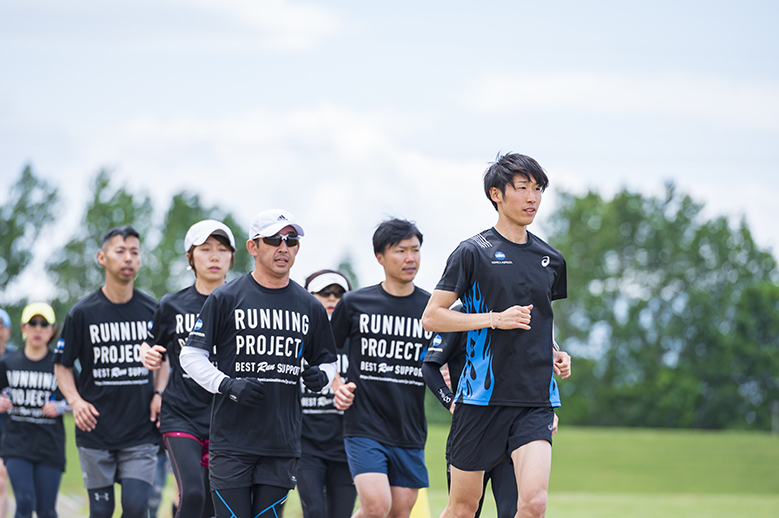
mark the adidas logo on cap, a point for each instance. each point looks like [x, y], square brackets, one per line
[281, 218]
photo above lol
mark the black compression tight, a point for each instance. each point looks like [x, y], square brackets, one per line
[135, 499]
[258, 501]
[192, 478]
[322, 500]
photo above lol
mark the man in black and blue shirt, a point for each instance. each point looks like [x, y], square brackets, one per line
[506, 278]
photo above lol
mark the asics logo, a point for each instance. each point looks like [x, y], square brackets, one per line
[545, 261]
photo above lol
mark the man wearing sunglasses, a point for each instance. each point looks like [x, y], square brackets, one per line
[385, 428]
[259, 326]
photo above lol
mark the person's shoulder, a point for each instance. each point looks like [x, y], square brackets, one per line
[88, 303]
[234, 287]
[419, 292]
[484, 240]
[359, 297]
[143, 299]
[12, 356]
[362, 293]
[543, 245]
[300, 292]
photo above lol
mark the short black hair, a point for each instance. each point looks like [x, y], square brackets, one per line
[392, 232]
[501, 173]
[125, 231]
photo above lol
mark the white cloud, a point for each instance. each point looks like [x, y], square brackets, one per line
[749, 103]
[339, 170]
[170, 26]
[284, 25]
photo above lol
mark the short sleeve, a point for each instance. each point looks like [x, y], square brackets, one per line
[155, 327]
[206, 331]
[560, 286]
[459, 270]
[3, 375]
[322, 347]
[339, 322]
[70, 341]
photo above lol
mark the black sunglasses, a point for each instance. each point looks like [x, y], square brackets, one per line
[41, 323]
[290, 239]
[327, 292]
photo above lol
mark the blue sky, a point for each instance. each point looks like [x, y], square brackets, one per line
[347, 112]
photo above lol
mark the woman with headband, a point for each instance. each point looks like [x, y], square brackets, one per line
[324, 481]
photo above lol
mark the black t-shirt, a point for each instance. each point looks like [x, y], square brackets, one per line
[490, 273]
[106, 339]
[27, 433]
[262, 333]
[386, 346]
[186, 406]
[323, 424]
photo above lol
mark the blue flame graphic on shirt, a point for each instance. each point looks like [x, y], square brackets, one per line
[477, 381]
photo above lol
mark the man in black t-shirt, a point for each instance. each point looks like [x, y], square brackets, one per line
[505, 277]
[261, 326]
[117, 441]
[385, 428]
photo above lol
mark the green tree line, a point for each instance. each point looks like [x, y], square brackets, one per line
[672, 318]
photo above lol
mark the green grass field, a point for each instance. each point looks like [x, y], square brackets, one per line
[612, 472]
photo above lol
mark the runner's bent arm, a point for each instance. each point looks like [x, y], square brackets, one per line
[435, 381]
[439, 318]
[195, 362]
[160, 377]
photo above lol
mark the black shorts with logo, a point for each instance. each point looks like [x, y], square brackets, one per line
[484, 436]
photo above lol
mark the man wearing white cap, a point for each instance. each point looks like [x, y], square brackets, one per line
[112, 399]
[260, 326]
[185, 413]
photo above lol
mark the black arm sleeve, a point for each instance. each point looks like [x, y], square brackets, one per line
[435, 382]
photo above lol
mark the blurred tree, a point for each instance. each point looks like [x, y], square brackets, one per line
[31, 206]
[74, 269]
[346, 267]
[654, 300]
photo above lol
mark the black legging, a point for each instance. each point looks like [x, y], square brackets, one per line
[192, 478]
[321, 499]
[250, 502]
[135, 499]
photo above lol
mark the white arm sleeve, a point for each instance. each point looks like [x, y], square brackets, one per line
[195, 362]
[329, 369]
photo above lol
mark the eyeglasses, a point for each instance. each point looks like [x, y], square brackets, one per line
[41, 323]
[327, 292]
[290, 239]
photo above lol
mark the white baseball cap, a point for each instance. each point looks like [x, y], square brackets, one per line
[268, 223]
[199, 232]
